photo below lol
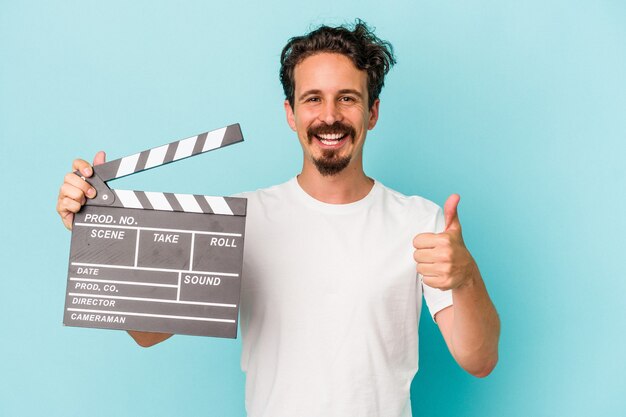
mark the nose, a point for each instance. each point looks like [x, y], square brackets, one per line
[330, 112]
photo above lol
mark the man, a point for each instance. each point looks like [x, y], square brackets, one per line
[330, 296]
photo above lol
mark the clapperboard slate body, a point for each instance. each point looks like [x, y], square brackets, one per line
[153, 261]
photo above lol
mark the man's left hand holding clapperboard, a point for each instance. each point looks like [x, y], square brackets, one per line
[152, 261]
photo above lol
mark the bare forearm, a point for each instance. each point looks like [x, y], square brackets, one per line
[147, 339]
[476, 327]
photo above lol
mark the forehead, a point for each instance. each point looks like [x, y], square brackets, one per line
[328, 72]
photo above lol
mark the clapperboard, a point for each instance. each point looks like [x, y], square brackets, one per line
[154, 261]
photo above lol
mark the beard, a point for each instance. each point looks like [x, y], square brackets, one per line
[330, 163]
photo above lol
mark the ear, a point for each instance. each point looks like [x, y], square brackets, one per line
[291, 117]
[373, 115]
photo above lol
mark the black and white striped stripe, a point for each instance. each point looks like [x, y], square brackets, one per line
[188, 203]
[174, 151]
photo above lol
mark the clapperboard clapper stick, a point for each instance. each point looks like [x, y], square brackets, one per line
[155, 261]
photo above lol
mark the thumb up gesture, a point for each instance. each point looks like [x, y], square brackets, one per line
[442, 258]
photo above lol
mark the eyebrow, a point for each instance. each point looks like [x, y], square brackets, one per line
[351, 91]
[344, 91]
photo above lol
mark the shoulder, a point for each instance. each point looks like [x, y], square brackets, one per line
[420, 213]
[414, 203]
[274, 195]
[264, 192]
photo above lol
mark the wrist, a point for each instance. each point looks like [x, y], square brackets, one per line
[472, 277]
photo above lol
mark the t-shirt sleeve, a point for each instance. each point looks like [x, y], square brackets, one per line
[436, 299]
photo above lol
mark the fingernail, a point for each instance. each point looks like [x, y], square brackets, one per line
[91, 192]
[86, 171]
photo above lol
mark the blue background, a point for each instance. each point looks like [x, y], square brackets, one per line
[518, 106]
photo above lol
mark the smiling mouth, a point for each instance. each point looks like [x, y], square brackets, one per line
[331, 135]
[331, 139]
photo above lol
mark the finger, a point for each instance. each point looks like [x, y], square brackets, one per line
[425, 256]
[66, 207]
[82, 166]
[75, 181]
[99, 159]
[435, 282]
[425, 241]
[68, 220]
[451, 214]
[73, 193]
[427, 270]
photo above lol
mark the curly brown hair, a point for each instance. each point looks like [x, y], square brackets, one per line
[358, 42]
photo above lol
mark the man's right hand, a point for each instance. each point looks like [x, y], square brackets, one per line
[75, 191]
[72, 196]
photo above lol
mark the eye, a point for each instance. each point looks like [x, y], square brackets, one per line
[312, 100]
[347, 99]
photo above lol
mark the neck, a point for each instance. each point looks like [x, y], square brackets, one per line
[346, 187]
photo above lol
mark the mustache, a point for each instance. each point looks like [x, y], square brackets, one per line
[337, 127]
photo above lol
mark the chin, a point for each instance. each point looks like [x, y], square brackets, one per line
[331, 166]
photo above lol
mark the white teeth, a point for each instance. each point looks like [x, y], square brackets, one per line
[329, 142]
[331, 136]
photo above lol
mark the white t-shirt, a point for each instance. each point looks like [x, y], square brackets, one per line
[331, 302]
